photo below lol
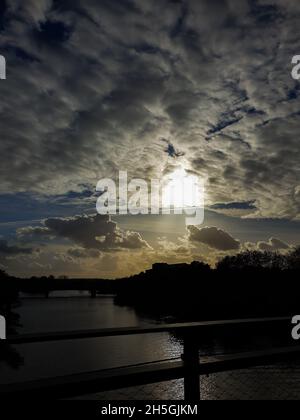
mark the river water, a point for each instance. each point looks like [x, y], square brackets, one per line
[69, 313]
[64, 312]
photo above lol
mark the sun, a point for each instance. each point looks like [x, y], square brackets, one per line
[182, 190]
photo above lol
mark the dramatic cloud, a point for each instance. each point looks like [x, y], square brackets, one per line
[171, 150]
[235, 209]
[91, 232]
[249, 205]
[273, 245]
[214, 238]
[93, 86]
[7, 250]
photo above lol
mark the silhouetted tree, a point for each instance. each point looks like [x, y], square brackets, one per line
[3, 275]
[8, 291]
[254, 260]
[294, 259]
[8, 296]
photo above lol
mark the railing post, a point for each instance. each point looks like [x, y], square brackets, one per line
[191, 377]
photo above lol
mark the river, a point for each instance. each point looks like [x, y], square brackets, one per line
[65, 312]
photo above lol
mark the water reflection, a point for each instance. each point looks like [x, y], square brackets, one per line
[78, 313]
[61, 358]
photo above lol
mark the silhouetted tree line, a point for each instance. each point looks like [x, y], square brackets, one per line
[249, 284]
[252, 283]
[8, 295]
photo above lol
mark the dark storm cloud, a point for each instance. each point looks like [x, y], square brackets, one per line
[91, 232]
[235, 209]
[93, 85]
[222, 125]
[13, 250]
[171, 150]
[273, 245]
[249, 205]
[214, 238]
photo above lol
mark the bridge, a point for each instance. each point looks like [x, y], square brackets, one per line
[190, 366]
[93, 292]
[47, 286]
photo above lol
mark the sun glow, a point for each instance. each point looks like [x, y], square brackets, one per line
[182, 190]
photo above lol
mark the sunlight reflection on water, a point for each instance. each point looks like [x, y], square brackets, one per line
[80, 312]
[61, 358]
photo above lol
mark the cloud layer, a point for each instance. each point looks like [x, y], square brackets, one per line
[273, 245]
[91, 232]
[214, 238]
[12, 250]
[93, 86]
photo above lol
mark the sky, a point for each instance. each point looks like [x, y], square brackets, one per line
[95, 87]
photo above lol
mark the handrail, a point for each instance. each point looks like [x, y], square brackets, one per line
[190, 367]
[80, 384]
[156, 329]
